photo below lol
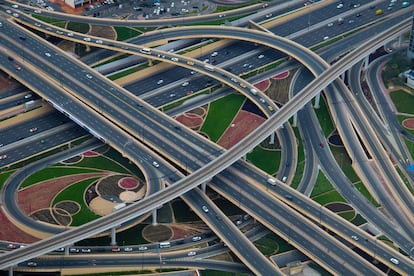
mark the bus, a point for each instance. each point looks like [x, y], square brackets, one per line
[165, 244]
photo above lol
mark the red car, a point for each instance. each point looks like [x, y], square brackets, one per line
[4, 156]
[12, 246]
[116, 249]
[33, 129]
[17, 67]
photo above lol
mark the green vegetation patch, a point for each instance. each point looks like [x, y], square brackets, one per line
[403, 100]
[272, 243]
[101, 163]
[132, 272]
[328, 197]
[324, 117]
[75, 192]
[364, 191]
[182, 212]
[54, 172]
[124, 33]
[78, 27]
[349, 215]
[266, 160]
[322, 185]
[221, 114]
[358, 220]
[4, 176]
[49, 20]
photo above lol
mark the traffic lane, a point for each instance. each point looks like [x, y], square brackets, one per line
[235, 239]
[286, 222]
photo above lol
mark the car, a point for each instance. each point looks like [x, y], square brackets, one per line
[185, 83]
[321, 145]
[17, 67]
[99, 41]
[207, 60]
[15, 14]
[340, 6]
[59, 32]
[288, 197]
[37, 24]
[128, 249]
[61, 249]
[1, 145]
[172, 95]
[205, 209]
[196, 238]
[48, 54]
[14, 6]
[38, 11]
[354, 237]
[155, 164]
[87, 39]
[260, 56]
[28, 96]
[142, 248]
[245, 65]
[214, 54]
[350, 21]
[330, 24]
[192, 72]
[238, 222]
[73, 250]
[33, 129]
[358, 15]
[270, 107]
[262, 100]
[222, 15]
[356, 5]
[86, 250]
[32, 264]
[394, 261]
[307, 3]
[269, 15]
[325, 37]
[89, 76]
[9, 11]
[69, 34]
[11, 245]
[189, 92]
[115, 249]
[192, 253]
[160, 82]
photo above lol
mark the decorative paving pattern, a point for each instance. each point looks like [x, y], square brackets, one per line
[408, 123]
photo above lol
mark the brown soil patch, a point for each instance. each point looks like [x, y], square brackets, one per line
[6, 82]
[279, 89]
[408, 123]
[157, 233]
[103, 31]
[9, 231]
[71, 207]
[40, 196]
[101, 207]
[243, 124]
[190, 120]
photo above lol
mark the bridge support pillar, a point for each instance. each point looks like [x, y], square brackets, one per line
[113, 236]
[203, 187]
[11, 271]
[150, 62]
[154, 217]
[272, 138]
[66, 250]
[295, 120]
[366, 61]
[400, 40]
[317, 100]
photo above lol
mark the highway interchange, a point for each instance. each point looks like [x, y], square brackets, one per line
[65, 82]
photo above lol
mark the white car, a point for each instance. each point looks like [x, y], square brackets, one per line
[89, 76]
[99, 41]
[155, 164]
[214, 54]
[355, 237]
[340, 6]
[394, 261]
[16, 15]
[70, 34]
[185, 83]
[330, 24]
[205, 209]
[325, 37]
[142, 248]
[87, 39]
[48, 54]
[260, 56]
[38, 11]
[192, 253]
[160, 82]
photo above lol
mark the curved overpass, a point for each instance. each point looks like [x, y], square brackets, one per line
[204, 174]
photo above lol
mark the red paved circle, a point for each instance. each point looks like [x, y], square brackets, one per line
[128, 183]
[90, 154]
[408, 123]
[263, 85]
[281, 75]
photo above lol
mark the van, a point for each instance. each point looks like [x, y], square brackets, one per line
[165, 244]
[145, 51]
[271, 181]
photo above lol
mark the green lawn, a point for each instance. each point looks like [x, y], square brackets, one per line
[124, 33]
[75, 192]
[54, 172]
[266, 160]
[403, 101]
[101, 163]
[322, 185]
[78, 27]
[182, 212]
[328, 197]
[363, 190]
[4, 176]
[272, 243]
[221, 114]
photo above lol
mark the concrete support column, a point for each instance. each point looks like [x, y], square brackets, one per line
[343, 76]
[295, 120]
[366, 61]
[317, 100]
[150, 62]
[400, 40]
[154, 216]
[11, 271]
[113, 236]
[272, 138]
[66, 250]
[203, 187]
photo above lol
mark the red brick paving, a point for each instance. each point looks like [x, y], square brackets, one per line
[128, 183]
[190, 120]
[408, 123]
[263, 85]
[281, 75]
